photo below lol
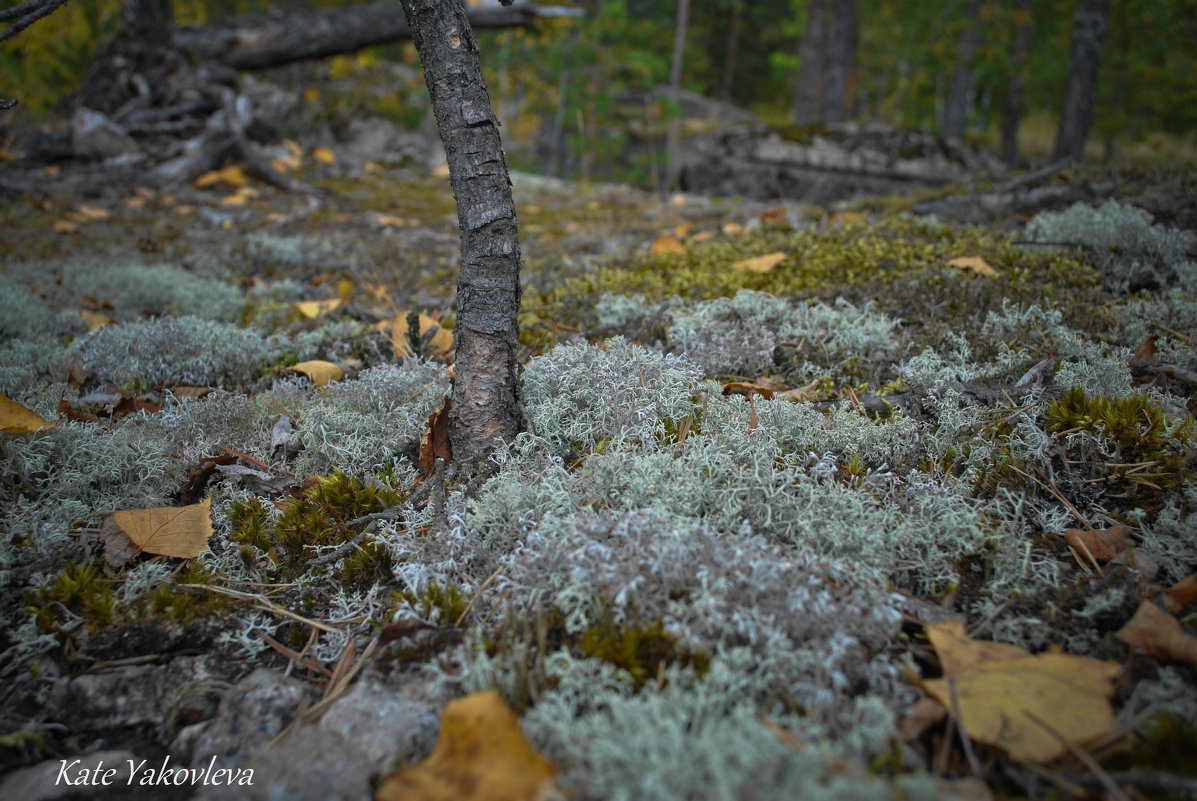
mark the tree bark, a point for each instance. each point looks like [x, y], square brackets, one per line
[961, 84]
[808, 82]
[1080, 93]
[1015, 81]
[485, 406]
[839, 72]
[733, 52]
[137, 63]
[673, 142]
[255, 44]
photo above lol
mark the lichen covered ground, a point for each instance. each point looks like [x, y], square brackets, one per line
[701, 571]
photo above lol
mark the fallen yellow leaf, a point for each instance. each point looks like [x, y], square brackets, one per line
[440, 171]
[17, 419]
[668, 244]
[974, 263]
[733, 229]
[321, 372]
[481, 756]
[94, 320]
[846, 218]
[324, 155]
[997, 686]
[440, 346]
[682, 230]
[93, 212]
[1159, 634]
[312, 309]
[66, 227]
[178, 531]
[761, 264]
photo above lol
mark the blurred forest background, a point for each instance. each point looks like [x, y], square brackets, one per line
[570, 90]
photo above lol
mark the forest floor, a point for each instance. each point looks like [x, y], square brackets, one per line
[811, 503]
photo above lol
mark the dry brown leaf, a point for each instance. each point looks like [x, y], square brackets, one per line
[321, 372]
[761, 264]
[974, 263]
[846, 218]
[435, 442]
[703, 236]
[682, 230]
[481, 756]
[1159, 634]
[94, 320]
[17, 419]
[925, 713]
[805, 392]
[1146, 350]
[1181, 594]
[997, 684]
[65, 227]
[92, 212]
[668, 244]
[440, 346]
[312, 309]
[1104, 544]
[732, 229]
[774, 215]
[745, 388]
[178, 531]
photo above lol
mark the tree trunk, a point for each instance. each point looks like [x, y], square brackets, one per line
[673, 142]
[138, 61]
[1080, 93]
[255, 44]
[1012, 102]
[485, 406]
[839, 72]
[808, 82]
[733, 52]
[961, 85]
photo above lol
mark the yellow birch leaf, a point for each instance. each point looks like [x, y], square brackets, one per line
[668, 244]
[321, 372]
[733, 229]
[974, 263]
[761, 264]
[178, 531]
[846, 218]
[324, 155]
[440, 346]
[481, 756]
[682, 230]
[390, 221]
[66, 227]
[312, 309]
[997, 685]
[703, 236]
[93, 212]
[210, 178]
[440, 171]
[94, 320]
[17, 419]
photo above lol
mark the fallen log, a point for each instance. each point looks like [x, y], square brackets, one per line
[272, 41]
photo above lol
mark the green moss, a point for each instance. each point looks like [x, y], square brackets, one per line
[181, 604]
[445, 604]
[317, 519]
[644, 651]
[82, 590]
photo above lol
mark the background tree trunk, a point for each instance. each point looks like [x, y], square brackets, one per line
[1015, 80]
[808, 82]
[961, 85]
[1080, 93]
[485, 405]
[728, 79]
[136, 63]
[673, 142]
[839, 71]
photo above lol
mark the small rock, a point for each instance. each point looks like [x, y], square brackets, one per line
[94, 136]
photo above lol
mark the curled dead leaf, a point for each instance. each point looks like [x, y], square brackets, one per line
[668, 244]
[996, 684]
[1104, 544]
[178, 531]
[481, 756]
[975, 263]
[321, 372]
[435, 442]
[17, 419]
[1181, 594]
[1159, 634]
[761, 264]
[312, 309]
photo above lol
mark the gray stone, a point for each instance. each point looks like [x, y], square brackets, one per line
[94, 136]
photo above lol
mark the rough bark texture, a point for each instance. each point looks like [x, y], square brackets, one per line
[319, 33]
[1080, 93]
[961, 83]
[488, 289]
[674, 136]
[839, 72]
[135, 65]
[1015, 81]
[808, 83]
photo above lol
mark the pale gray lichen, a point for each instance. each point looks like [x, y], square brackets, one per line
[1130, 251]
